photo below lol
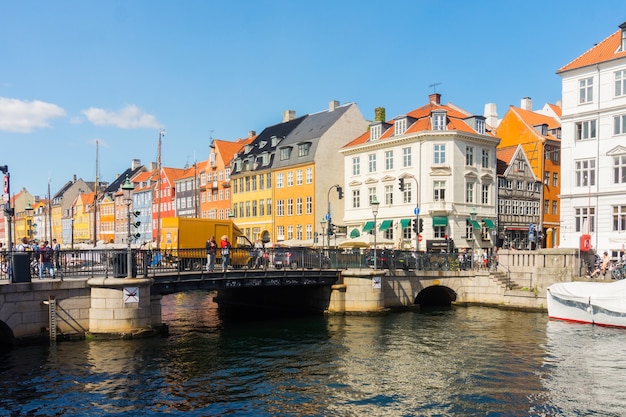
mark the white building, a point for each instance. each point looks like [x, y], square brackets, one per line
[447, 158]
[593, 197]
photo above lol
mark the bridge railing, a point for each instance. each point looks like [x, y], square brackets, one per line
[107, 262]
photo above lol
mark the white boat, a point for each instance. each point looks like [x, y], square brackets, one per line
[600, 303]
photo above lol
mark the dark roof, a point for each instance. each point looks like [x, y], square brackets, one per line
[279, 131]
[310, 130]
[115, 185]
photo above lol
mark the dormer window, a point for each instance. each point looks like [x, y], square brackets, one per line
[376, 130]
[400, 126]
[285, 153]
[262, 144]
[238, 165]
[623, 43]
[480, 126]
[247, 148]
[303, 149]
[439, 120]
[266, 158]
[275, 141]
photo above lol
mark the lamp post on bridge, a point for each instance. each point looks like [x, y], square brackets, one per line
[375, 204]
[473, 218]
[323, 226]
[127, 189]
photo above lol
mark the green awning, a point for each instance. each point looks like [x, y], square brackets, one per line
[386, 224]
[440, 221]
[489, 224]
[368, 226]
[405, 223]
[474, 224]
[355, 233]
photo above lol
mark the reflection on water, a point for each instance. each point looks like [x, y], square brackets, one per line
[584, 368]
[461, 361]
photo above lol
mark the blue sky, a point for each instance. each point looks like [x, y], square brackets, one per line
[73, 72]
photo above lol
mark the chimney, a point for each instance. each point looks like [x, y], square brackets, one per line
[559, 104]
[379, 114]
[134, 164]
[333, 105]
[527, 104]
[251, 133]
[491, 115]
[153, 166]
[289, 115]
[434, 98]
[74, 178]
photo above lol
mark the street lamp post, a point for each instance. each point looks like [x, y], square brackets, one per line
[375, 204]
[473, 218]
[323, 225]
[127, 189]
[29, 220]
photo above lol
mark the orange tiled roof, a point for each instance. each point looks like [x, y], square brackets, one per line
[506, 154]
[455, 117]
[531, 119]
[556, 109]
[606, 50]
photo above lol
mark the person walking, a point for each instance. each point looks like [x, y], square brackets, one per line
[211, 250]
[45, 259]
[225, 245]
[56, 254]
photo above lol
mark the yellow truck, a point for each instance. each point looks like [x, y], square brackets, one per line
[183, 240]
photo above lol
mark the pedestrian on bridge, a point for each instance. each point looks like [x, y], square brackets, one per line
[211, 250]
[225, 244]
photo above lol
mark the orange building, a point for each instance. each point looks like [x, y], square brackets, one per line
[539, 134]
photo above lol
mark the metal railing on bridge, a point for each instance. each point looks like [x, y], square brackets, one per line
[114, 262]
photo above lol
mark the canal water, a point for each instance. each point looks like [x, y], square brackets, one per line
[464, 361]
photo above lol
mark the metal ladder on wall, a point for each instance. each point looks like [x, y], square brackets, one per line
[52, 317]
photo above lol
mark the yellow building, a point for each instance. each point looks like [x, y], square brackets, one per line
[83, 218]
[282, 181]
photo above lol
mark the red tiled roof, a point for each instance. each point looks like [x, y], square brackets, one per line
[606, 50]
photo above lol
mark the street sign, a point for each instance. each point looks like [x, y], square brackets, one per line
[416, 211]
[327, 217]
[419, 238]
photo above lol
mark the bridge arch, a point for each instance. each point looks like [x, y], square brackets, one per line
[7, 338]
[435, 295]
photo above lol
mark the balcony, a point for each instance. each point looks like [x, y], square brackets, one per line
[213, 184]
[439, 208]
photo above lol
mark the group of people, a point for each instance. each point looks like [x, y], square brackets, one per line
[601, 265]
[45, 256]
[211, 253]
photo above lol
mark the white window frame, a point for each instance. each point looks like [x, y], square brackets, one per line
[388, 160]
[620, 83]
[356, 165]
[439, 154]
[585, 129]
[585, 90]
[406, 157]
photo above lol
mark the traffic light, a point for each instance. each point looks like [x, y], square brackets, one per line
[401, 184]
[136, 224]
[415, 226]
[340, 192]
[421, 228]
[331, 229]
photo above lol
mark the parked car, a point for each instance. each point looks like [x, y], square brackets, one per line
[300, 257]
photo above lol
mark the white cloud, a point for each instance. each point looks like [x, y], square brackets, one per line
[130, 117]
[25, 116]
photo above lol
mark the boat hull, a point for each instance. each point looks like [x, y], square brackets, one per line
[598, 303]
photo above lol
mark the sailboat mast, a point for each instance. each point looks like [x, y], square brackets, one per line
[95, 202]
[158, 236]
